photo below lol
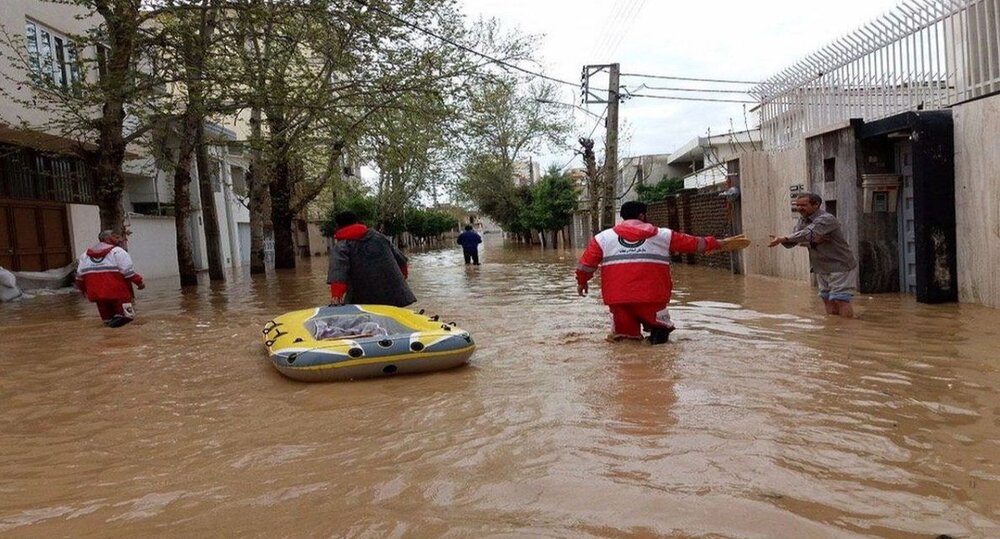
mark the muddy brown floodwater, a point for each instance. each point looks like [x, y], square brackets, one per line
[762, 418]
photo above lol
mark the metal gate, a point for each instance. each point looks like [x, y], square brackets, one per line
[907, 241]
[34, 236]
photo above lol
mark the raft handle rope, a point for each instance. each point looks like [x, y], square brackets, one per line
[271, 324]
[292, 357]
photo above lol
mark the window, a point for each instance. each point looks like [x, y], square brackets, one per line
[830, 169]
[31, 175]
[880, 201]
[831, 207]
[51, 57]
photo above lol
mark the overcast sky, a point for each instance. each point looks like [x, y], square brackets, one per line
[710, 39]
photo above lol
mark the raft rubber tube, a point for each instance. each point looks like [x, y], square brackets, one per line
[404, 342]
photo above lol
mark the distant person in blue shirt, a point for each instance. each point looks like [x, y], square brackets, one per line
[470, 241]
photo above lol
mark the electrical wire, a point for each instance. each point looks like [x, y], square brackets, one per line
[605, 37]
[694, 79]
[678, 98]
[463, 47]
[625, 27]
[700, 90]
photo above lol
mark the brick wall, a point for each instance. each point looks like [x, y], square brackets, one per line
[699, 212]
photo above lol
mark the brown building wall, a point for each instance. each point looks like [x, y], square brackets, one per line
[700, 213]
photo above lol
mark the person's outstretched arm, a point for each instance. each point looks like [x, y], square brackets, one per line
[814, 232]
[688, 244]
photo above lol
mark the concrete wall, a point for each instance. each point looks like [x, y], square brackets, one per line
[765, 182]
[977, 200]
[153, 246]
[84, 226]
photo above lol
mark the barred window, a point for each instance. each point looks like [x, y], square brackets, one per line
[31, 175]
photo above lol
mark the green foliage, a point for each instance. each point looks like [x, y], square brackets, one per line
[506, 120]
[552, 201]
[362, 206]
[422, 223]
[489, 183]
[660, 191]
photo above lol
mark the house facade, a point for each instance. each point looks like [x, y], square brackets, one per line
[894, 126]
[48, 211]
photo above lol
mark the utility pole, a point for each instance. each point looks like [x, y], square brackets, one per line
[611, 149]
[609, 172]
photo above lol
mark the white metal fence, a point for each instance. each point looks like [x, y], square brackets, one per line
[923, 54]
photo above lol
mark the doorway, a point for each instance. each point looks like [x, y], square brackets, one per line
[34, 236]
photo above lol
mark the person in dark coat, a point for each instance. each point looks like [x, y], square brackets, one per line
[470, 241]
[365, 267]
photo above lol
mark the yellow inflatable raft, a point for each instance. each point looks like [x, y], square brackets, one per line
[347, 342]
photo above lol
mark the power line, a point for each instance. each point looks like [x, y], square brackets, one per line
[724, 81]
[599, 120]
[463, 47]
[699, 90]
[626, 27]
[616, 11]
[692, 98]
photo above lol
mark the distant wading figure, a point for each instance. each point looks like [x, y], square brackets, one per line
[634, 258]
[470, 241]
[105, 274]
[830, 257]
[365, 267]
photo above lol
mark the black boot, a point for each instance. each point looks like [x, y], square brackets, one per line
[659, 335]
[117, 321]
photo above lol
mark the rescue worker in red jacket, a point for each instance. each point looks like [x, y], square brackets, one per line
[634, 258]
[105, 274]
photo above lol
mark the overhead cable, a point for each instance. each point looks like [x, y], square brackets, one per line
[678, 98]
[699, 90]
[668, 77]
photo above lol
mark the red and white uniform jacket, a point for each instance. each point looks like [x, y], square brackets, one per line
[634, 258]
[105, 273]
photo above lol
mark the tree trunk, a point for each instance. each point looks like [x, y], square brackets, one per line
[594, 190]
[280, 188]
[259, 203]
[182, 211]
[281, 214]
[110, 179]
[122, 34]
[208, 212]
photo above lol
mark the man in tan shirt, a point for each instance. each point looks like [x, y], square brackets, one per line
[830, 257]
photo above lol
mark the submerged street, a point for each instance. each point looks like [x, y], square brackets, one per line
[761, 418]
